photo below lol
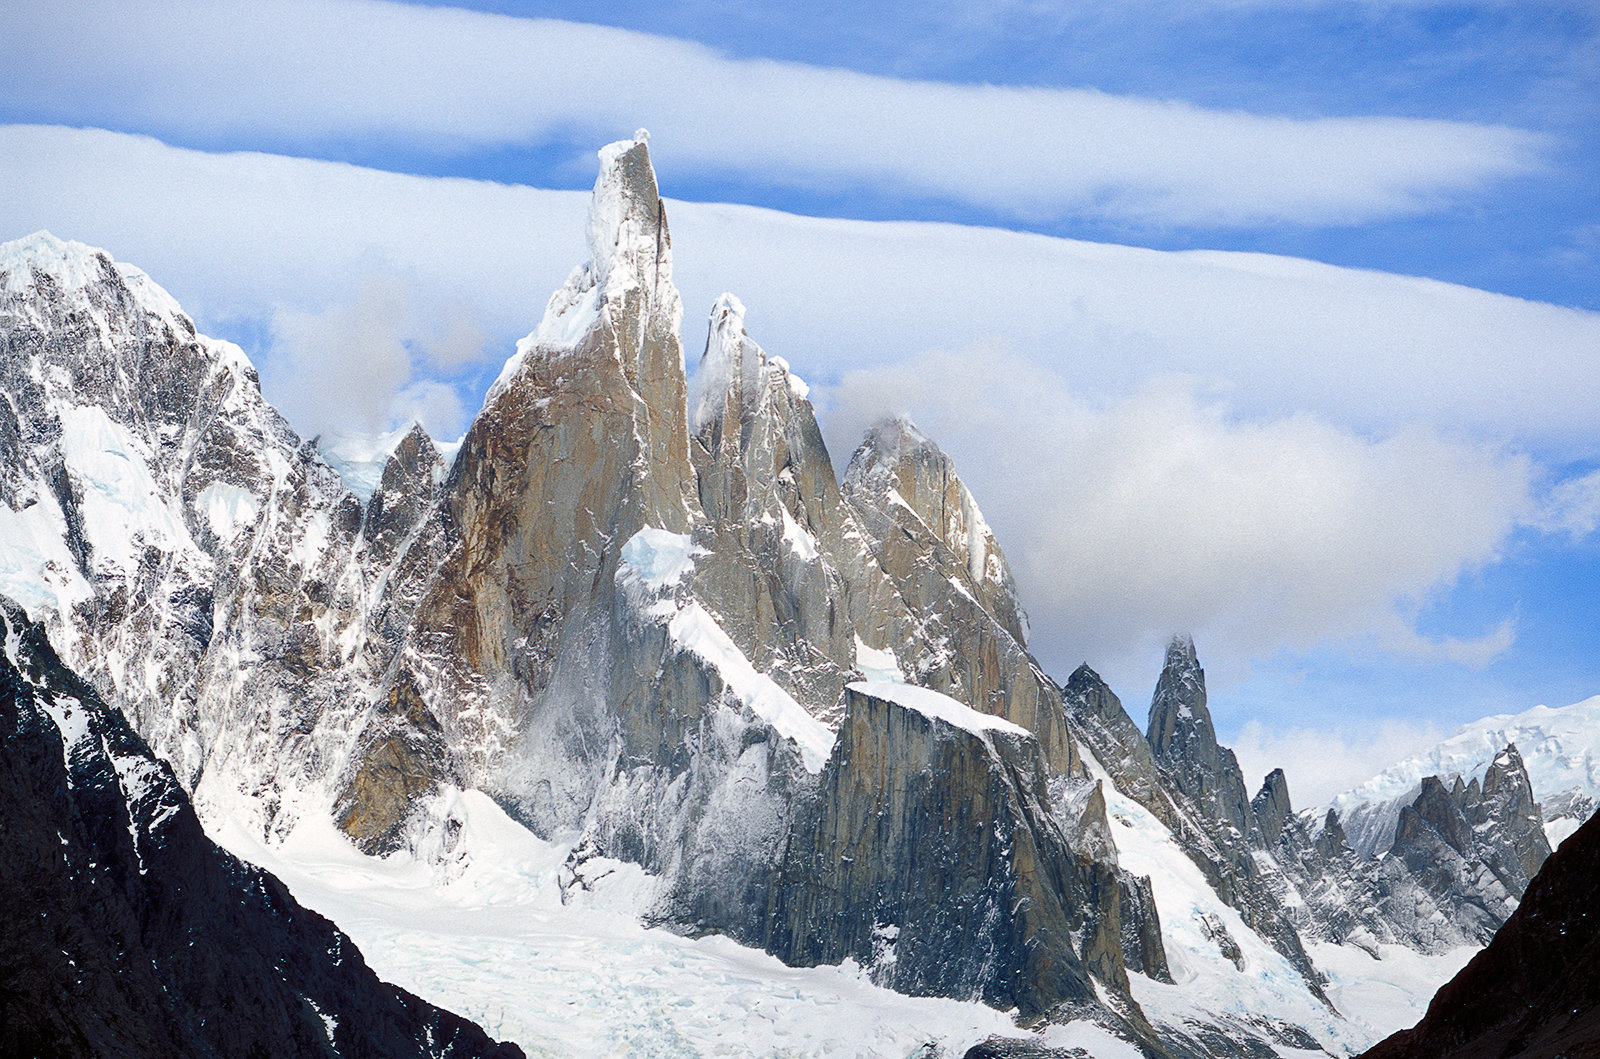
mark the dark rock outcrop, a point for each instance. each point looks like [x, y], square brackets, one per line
[931, 858]
[1271, 806]
[1184, 742]
[125, 931]
[1534, 992]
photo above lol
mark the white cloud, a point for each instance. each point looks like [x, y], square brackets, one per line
[236, 236]
[1573, 506]
[350, 367]
[1262, 450]
[1320, 763]
[301, 74]
[1126, 520]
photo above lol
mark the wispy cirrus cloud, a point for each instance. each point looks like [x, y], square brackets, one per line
[298, 76]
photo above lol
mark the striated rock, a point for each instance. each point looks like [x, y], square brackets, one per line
[787, 572]
[927, 534]
[1469, 849]
[1099, 720]
[930, 857]
[110, 881]
[556, 602]
[404, 495]
[1508, 824]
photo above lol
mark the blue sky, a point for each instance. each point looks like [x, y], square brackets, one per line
[1373, 500]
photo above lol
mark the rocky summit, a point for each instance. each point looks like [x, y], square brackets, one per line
[657, 628]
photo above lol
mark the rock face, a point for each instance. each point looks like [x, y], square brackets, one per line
[930, 856]
[1535, 991]
[1193, 785]
[191, 556]
[1184, 743]
[1455, 868]
[786, 572]
[110, 881]
[930, 829]
[928, 536]
[1561, 755]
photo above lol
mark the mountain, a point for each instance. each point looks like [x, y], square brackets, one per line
[1560, 749]
[127, 932]
[194, 560]
[653, 625]
[1534, 992]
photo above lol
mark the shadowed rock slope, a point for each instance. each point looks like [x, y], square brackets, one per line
[931, 858]
[125, 931]
[1535, 991]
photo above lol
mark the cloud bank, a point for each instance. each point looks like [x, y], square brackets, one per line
[1268, 452]
[306, 74]
[1128, 519]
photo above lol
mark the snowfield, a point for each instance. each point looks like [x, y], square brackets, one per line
[487, 935]
[501, 931]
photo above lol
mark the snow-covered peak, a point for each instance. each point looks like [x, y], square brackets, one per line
[730, 375]
[74, 267]
[109, 293]
[630, 252]
[1560, 749]
[69, 264]
[627, 226]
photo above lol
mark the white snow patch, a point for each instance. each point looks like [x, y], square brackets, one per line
[1386, 994]
[695, 630]
[1092, 1040]
[573, 310]
[797, 385]
[71, 265]
[1559, 830]
[657, 559]
[36, 569]
[878, 666]
[121, 503]
[228, 509]
[938, 706]
[801, 542]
